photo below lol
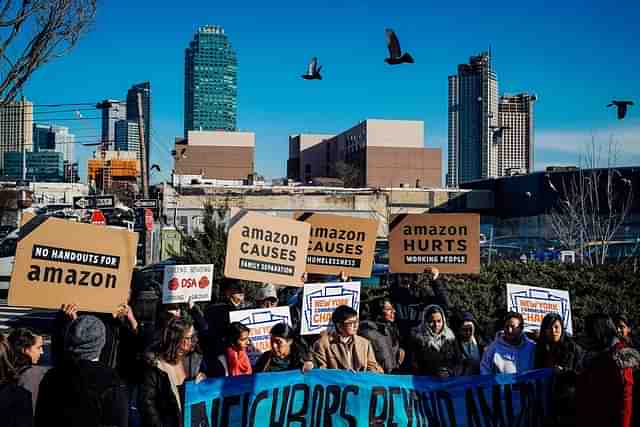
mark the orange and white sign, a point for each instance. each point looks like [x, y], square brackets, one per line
[260, 321]
[535, 303]
[183, 281]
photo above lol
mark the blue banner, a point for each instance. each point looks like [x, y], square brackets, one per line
[341, 398]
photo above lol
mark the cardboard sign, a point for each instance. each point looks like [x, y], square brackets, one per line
[268, 249]
[340, 244]
[62, 262]
[449, 242]
[260, 321]
[183, 281]
[535, 303]
[320, 300]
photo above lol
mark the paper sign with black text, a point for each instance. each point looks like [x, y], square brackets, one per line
[267, 249]
[182, 282]
[535, 303]
[62, 262]
[340, 244]
[320, 300]
[449, 242]
[260, 321]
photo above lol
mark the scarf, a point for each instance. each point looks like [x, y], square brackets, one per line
[238, 362]
[430, 339]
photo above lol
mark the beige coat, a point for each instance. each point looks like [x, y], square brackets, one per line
[330, 352]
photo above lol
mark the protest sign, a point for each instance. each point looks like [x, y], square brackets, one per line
[181, 282]
[260, 321]
[534, 303]
[320, 300]
[326, 397]
[449, 242]
[340, 244]
[62, 262]
[264, 248]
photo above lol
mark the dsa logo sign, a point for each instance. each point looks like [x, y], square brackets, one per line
[182, 282]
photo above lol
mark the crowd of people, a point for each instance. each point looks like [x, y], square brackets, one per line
[131, 368]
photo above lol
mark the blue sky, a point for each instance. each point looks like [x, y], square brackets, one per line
[576, 55]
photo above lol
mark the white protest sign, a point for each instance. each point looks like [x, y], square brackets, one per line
[320, 301]
[183, 281]
[535, 303]
[260, 321]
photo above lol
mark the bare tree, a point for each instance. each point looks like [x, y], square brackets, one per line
[349, 174]
[34, 32]
[593, 205]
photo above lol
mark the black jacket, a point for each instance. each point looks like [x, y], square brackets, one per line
[84, 394]
[157, 402]
[411, 301]
[15, 406]
[385, 339]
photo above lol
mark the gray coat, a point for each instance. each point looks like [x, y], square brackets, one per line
[384, 338]
[29, 378]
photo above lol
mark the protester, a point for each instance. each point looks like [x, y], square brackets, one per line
[471, 345]
[384, 335]
[217, 317]
[27, 348]
[167, 370]
[556, 350]
[433, 344]
[604, 389]
[81, 390]
[342, 348]
[266, 296]
[511, 352]
[287, 352]
[234, 360]
[15, 402]
[625, 326]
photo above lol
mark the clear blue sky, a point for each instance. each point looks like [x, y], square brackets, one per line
[576, 55]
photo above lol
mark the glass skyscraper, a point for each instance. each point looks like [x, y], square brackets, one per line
[133, 116]
[210, 83]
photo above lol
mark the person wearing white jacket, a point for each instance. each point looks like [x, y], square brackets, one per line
[511, 352]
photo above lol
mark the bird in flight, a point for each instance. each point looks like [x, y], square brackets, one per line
[622, 107]
[395, 53]
[313, 70]
[497, 131]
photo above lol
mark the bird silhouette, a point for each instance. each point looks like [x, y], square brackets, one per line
[553, 187]
[155, 166]
[622, 107]
[395, 53]
[497, 131]
[313, 70]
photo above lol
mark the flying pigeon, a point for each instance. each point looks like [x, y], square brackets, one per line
[497, 130]
[553, 187]
[155, 166]
[395, 54]
[313, 71]
[622, 107]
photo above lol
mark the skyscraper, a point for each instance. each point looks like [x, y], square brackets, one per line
[144, 89]
[128, 137]
[473, 118]
[210, 82]
[16, 127]
[112, 111]
[54, 138]
[515, 146]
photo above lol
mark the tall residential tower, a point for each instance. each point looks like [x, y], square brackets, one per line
[210, 82]
[515, 147]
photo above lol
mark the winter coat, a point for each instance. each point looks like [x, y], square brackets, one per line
[15, 406]
[296, 359]
[29, 378]
[84, 394]
[433, 353]
[330, 352]
[385, 339]
[604, 387]
[504, 358]
[217, 320]
[161, 402]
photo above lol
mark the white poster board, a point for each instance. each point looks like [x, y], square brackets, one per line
[183, 281]
[260, 321]
[534, 303]
[320, 301]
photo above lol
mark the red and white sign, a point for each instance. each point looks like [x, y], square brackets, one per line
[148, 219]
[97, 218]
[183, 281]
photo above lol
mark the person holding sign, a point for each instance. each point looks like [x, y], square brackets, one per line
[435, 352]
[287, 352]
[343, 349]
[511, 352]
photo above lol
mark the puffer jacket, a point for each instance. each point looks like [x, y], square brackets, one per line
[385, 339]
[503, 358]
[160, 402]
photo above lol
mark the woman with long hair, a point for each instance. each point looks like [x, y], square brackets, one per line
[174, 363]
[27, 348]
[15, 402]
[234, 360]
[383, 333]
[287, 352]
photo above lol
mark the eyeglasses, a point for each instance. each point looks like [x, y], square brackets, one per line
[351, 323]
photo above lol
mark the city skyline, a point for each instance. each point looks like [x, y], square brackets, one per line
[551, 52]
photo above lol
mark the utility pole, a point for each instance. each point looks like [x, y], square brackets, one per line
[143, 149]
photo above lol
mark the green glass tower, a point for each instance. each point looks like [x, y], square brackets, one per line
[210, 82]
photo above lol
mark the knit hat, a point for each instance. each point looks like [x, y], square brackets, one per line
[85, 338]
[266, 292]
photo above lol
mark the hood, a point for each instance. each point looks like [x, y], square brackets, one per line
[426, 336]
[523, 343]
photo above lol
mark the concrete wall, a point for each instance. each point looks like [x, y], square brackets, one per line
[395, 133]
[215, 162]
[392, 167]
[221, 138]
